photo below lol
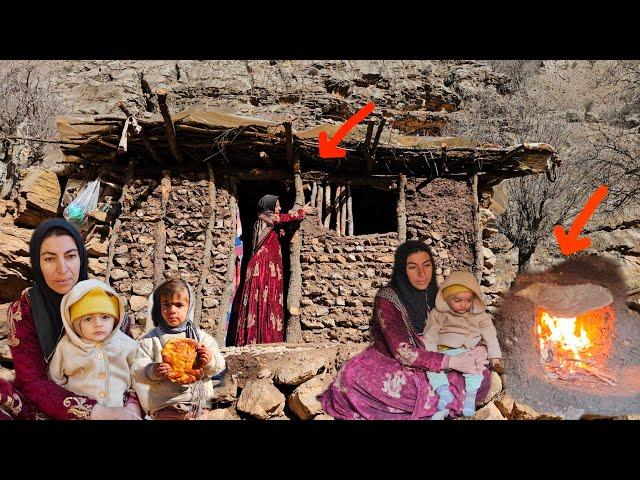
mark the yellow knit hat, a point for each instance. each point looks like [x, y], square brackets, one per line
[451, 290]
[95, 301]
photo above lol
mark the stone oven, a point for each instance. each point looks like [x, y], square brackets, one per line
[572, 345]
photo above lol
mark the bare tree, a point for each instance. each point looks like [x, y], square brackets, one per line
[535, 204]
[28, 107]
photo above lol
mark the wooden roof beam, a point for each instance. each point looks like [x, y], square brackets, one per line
[168, 123]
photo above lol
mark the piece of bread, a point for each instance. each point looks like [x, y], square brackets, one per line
[181, 354]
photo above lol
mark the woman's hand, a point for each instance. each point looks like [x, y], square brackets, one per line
[275, 217]
[113, 413]
[468, 362]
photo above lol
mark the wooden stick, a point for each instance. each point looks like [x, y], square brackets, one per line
[294, 327]
[289, 136]
[479, 254]
[374, 148]
[349, 211]
[336, 208]
[591, 368]
[314, 193]
[327, 206]
[343, 211]
[161, 231]
[168, 123]
[367, 151]
[208, 243]
[401, 209]
[320, 202]
[143, 136]
[221, 327]
[128, 178]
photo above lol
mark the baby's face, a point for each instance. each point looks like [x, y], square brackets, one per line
[461, 302]
[174, 308]
[96, 326]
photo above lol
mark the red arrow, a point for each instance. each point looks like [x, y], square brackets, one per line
[329, 148]
[569, 242]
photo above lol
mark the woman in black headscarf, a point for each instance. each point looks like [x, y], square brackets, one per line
[58, 261]
[388, 380]
[261, 318]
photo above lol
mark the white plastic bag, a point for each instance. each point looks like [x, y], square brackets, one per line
[86, 201]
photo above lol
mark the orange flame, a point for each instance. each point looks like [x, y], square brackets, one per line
[567, 342]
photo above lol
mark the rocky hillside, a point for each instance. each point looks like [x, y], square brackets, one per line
[416, 97]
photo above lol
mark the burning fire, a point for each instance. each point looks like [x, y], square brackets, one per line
[573, 343]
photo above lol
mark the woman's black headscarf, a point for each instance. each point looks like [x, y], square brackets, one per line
[417, 302]
[45, 303]
[267, 203]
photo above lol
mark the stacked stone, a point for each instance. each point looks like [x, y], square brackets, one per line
[278, 382]
[220, 251]
[188, 212]
[490, 287]
[132, 272]
[188, 215]
[340, 276]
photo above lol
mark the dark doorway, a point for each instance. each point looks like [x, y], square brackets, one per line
[374, 210]
[248, 195]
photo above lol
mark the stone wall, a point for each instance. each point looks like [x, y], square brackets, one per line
[342, 274]
[187, 219]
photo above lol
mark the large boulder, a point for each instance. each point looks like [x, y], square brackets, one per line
[15, 267]
[39, 197]
[300, 369]
[261, 399]
[303, 401]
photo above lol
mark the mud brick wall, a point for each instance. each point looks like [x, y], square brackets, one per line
[341, 275]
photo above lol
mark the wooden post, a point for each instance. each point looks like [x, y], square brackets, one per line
[208, 243]
[367, 151]
[377, 139]
[168, 123]
[336, 208]
[349, 211]
[327, 206]
[476, 223]
[128, 178]
[289, 136]
[294, 328]
[314, 193]
[343, 211]
[145, 140]
[402, 210]
[319, 202]
[221, 327]
[161, 232]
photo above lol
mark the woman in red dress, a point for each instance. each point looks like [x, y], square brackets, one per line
[261, 318]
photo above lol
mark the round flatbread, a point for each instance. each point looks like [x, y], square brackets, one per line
[181, 354]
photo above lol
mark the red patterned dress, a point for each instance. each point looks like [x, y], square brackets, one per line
[33, 395]
[261, 318]
[388, 380]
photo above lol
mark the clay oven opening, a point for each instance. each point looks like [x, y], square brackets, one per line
[571, 346]
[570, 343]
